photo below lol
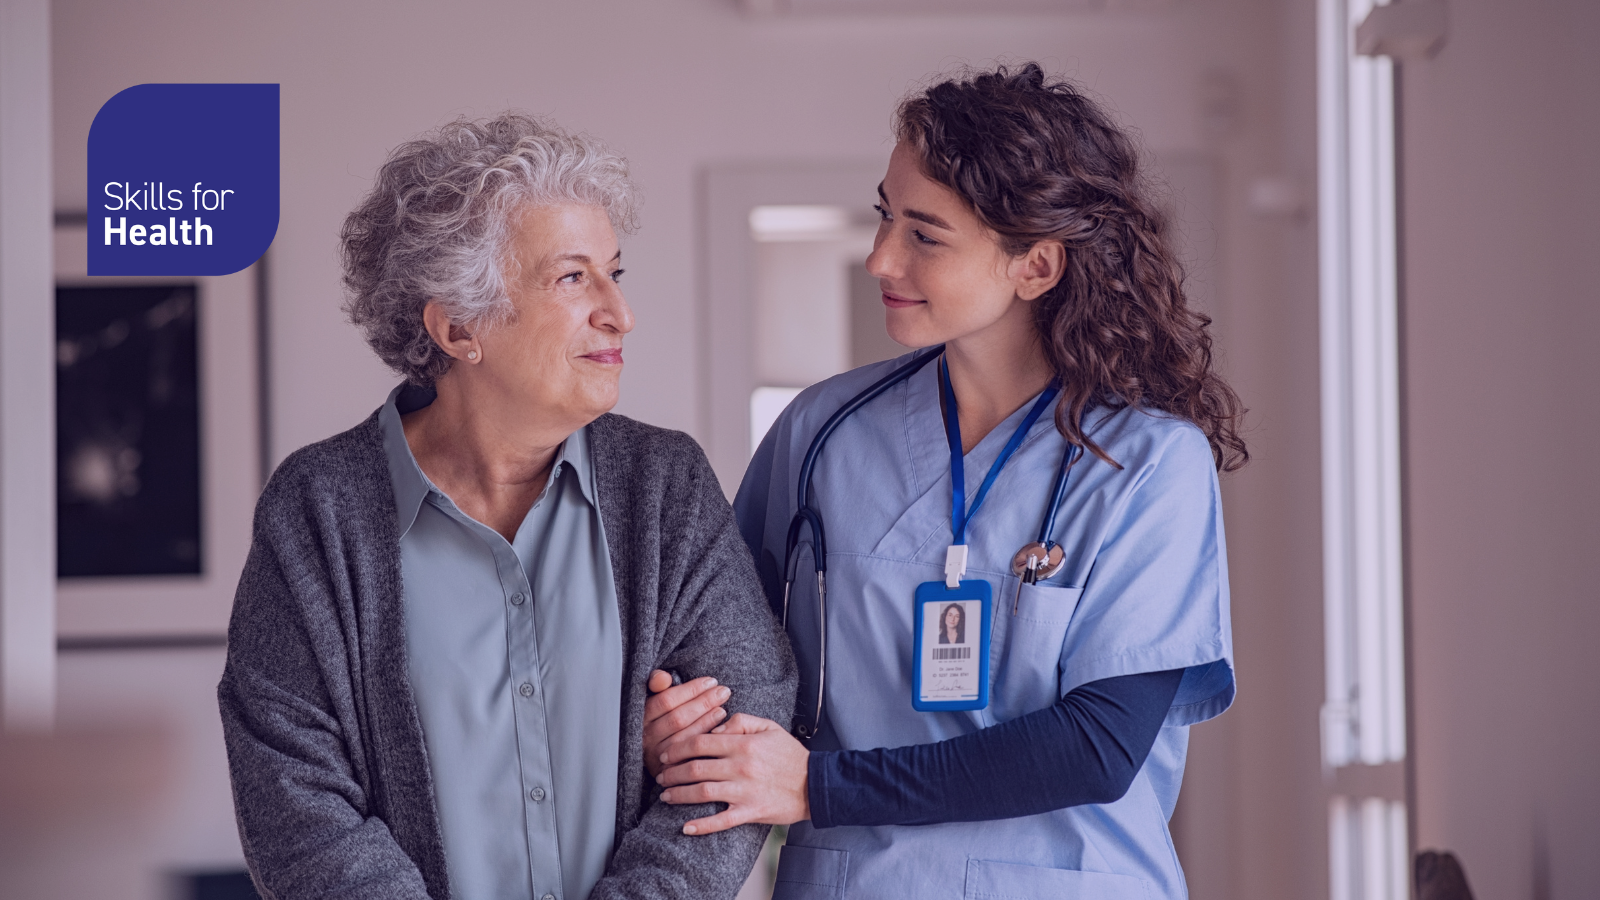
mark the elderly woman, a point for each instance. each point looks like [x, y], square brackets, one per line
[437, 663]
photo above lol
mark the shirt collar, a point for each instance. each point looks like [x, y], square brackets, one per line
[412, 487]
[574, 457]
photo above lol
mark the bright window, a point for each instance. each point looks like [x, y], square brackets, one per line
[766, 404]
[1363, 717]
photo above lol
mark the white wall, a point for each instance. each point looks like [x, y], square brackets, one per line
[682, 84]
[27, 367]
[189, 826]
[675, 84]
[1501, 306]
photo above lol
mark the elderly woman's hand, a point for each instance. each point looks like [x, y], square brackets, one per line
[751, 764]
[678, 713]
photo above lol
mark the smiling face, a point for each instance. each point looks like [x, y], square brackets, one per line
[561, 354]
[952, 618]
[943, 273]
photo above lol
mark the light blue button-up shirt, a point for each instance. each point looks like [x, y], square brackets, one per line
[515, 659]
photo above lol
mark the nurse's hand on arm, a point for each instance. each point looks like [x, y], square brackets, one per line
[679, 712]
[752, 764]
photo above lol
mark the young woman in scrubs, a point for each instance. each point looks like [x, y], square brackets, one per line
[1017, 232]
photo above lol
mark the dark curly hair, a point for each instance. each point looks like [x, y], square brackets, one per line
[1039, 161]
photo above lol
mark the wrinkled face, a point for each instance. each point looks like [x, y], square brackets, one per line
[942, 272]
[562, 352]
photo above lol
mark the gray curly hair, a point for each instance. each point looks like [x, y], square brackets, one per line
[437, 224]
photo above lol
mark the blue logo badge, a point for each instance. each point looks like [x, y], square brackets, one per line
[183, 179]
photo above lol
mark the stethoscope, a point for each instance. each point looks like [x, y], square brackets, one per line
[1036, 560]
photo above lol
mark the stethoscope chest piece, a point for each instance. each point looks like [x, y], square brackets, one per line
[1035, 561]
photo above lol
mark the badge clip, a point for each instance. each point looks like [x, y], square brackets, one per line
[955, 565]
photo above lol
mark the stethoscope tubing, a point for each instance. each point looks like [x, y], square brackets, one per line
[1057, 494]
[862, 399]
[805, 513]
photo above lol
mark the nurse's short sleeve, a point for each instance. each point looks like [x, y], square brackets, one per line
[1156, 596]
[760, 510]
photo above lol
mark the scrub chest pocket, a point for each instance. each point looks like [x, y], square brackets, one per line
[1026, 662]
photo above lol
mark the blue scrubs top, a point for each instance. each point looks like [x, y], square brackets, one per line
[1144, 589]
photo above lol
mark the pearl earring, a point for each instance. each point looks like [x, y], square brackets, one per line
[472, 354]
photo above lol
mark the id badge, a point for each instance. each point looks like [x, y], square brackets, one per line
[951, 668]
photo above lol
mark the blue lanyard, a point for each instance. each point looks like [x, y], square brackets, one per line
[959, 515]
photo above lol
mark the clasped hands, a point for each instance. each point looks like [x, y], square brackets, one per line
[752, 764]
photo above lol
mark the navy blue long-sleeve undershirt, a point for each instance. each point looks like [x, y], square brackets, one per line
[1087, 748]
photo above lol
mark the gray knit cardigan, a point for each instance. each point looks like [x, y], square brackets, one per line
[331, 783]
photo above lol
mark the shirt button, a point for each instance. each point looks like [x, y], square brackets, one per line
[548, 897]
[537, 794]
[517, 598]
[525, 689]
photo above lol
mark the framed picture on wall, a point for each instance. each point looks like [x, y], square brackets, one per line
[157, 449]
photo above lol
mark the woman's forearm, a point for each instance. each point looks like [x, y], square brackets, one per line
[1087, 748]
